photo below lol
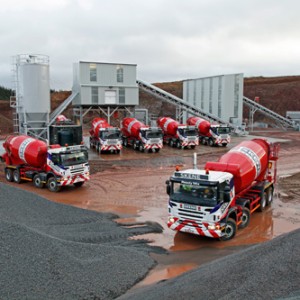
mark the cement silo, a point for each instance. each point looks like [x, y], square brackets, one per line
[32, 93]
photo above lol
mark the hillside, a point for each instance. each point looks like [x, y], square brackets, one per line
[280, 94]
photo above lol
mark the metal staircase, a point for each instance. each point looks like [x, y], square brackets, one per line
[180, 103]
[282, 121]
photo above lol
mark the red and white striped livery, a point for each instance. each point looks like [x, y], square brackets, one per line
[104, 137]
[210, 134]
[140, 136]
[30, 159]
[214, 202]
[178, 135]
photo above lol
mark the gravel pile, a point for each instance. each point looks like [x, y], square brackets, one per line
[266, 271]
[55, 251]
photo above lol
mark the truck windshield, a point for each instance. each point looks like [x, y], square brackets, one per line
[223, 130]
[153, 134]
[76, 158]
[187, 132]
[110, 135]
[194, 194]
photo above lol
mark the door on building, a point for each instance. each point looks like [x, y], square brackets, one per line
[110, 97]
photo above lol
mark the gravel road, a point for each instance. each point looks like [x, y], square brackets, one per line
[55, 251]
[270, 270]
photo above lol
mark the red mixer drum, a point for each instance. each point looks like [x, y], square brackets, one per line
[24, 149]
[131, 127]
[168, 125]
[97, 124]
[202, 125]
[61, 118]
[247, 162]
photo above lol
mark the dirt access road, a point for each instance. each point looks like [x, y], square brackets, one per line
[132, 185]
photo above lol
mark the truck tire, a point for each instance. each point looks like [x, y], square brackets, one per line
[210, 142]
[52, 185]
[79, 184]
[263, 201]
[224, 144]
[171, 143]
[245, 218]
[203, 142]
[37, 181]
[229, 230]
[270, 191]
[125, 142]
[193, 147]
[98, 148]
[17, 176]
[178, 144]
[141, 147]
[9, 175]
[134, 145]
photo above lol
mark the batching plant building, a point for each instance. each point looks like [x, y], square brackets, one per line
[105, 84]
[221, 96]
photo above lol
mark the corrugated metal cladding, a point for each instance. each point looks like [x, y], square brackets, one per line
[105, 84]
[220, 95]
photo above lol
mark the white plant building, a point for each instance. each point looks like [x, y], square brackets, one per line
[221, 96]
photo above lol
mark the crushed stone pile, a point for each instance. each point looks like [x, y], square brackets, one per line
[55, 251]
[270, 270]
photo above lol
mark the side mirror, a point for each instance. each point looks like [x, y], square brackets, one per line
[227, 194]
[168, 188]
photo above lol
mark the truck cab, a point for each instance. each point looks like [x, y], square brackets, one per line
[66, 165]
[187, 137]
[110, 139]
[151, 138]
[220, 135]
[199, 201]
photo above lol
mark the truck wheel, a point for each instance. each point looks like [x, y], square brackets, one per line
[270, 191]
[229, 231]
[52, 185]
[134, 145]
[125, 142]
[203, 142]
[16, 176]
[263, 202]
[79, 184]
[9, 175]
[224, 144]
[37, 181]
[171, 143]
[141, 148]
[178, 144]
[193, 147]
[157, 150]
[98, 148]
[210, 142]
[245, 218]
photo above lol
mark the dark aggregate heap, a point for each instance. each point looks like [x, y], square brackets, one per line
[55, 251]
[265, 271]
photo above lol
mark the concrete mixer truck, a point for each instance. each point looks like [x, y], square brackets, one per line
[29, 159]
[104, 137]
[140, 136]
[210, 134]
[214, 202]
[178, 135]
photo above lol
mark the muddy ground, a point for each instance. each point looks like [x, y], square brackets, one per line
[132, 185]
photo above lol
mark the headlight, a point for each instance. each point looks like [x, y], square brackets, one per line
[213, 227]
[171, 219]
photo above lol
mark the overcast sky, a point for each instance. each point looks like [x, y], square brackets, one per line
[169, 40]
